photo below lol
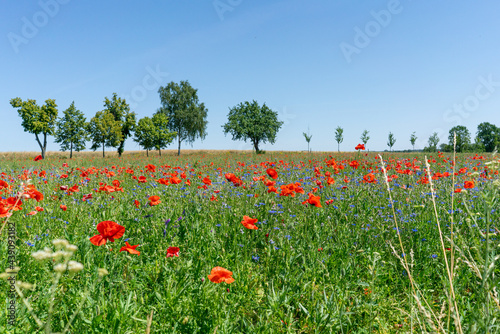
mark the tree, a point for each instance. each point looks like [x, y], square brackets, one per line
[308, 137]
[71, 130]
[153, 133]
[339, 137]
[413, 139]
[488, 135]
[104, 130]
[463, 138]
[144, 134]
[250, 121]
[364, 137]
[186, 115]
[37, 120]
[433, 142]
[391, 140]
[120, 110]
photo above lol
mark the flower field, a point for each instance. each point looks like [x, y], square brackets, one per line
[242, 243]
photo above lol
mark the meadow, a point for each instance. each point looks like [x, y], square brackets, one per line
[310, 243]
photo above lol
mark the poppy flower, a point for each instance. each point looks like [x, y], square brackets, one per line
[207, 181]
[272, 173]
[63, 207]
[108, 230]
[37, 208]
[458, 190]
[136, 203]
[86, 197]
[219, 275]
[151, 168]
[369, 178]
[154, 200]
[129, 248]
[175, 180]
[360, 147]
[37, 158]
[249, 223]
[314, 200]
[141, 179]
[63, 188]
[469, 184]
[173, 251]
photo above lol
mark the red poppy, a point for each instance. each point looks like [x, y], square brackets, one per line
[458, 190]
[469, 184]
[108, 230]
[207, 181]
[370, 178]
[129, 248]
[219, 275]
[63, 207]
[272, 173]
[249, 223]
[360, 147]
[154, 200]
[37, 208]
[175, 180]
[173, 251]
[141, 179]
[86, 197]
[136, 203]
[151, 168]
[37, 158]
[313, 200]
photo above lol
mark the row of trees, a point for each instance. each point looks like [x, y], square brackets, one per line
[181, 116]
[487, 139]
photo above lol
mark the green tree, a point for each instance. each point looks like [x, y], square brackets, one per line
[153, 133]
[463, 138]
[391, 140]
[433, 142]
[120, 110]
[488, 135]
[104, 130]
[71, 130]
[37, 120]
[186, 115]
[339, 137]
[413, 139]
[144, 134]
[250, 121]
[308, 137]
[364, 137]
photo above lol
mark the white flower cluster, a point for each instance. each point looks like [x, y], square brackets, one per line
[64, 251]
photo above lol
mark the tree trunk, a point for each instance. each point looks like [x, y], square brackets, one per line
[103, 149]
[44, 145]
[40, 144]
[159, 151]
[256, 146]
[338, 147]
[71, 150]
[179, 149]
[147, 152]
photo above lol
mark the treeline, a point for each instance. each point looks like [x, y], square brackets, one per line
[487, 139]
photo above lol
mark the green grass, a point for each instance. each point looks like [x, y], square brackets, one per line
[319, 270]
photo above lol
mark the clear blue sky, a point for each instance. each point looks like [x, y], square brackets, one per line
[399, 66]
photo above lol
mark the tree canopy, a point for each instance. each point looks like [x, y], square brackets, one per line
[249, 121]
[364, 137]
[488, 135]
[339, 137]
[153, 133]
[71, 131]
[104, 130]
[37, 120]
[391, 140]
[433, 142]
[120, 110]
[186, 115]
[463, 138]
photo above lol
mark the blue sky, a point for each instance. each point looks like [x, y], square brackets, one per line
[398, 66]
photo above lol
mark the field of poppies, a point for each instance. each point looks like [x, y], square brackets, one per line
[242, 243]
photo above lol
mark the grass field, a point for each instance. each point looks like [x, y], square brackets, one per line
[333, 250]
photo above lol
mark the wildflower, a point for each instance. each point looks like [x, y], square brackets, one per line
[249, 223]
[37, 158]
[136, 203]
[173, 251]
[219, 275]
[469, 184]
[360, 147]
[129, 248]
[63, 207]
[154, 200]
[74, 266]
[272, 173]
[102, 272]
[108, 230]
